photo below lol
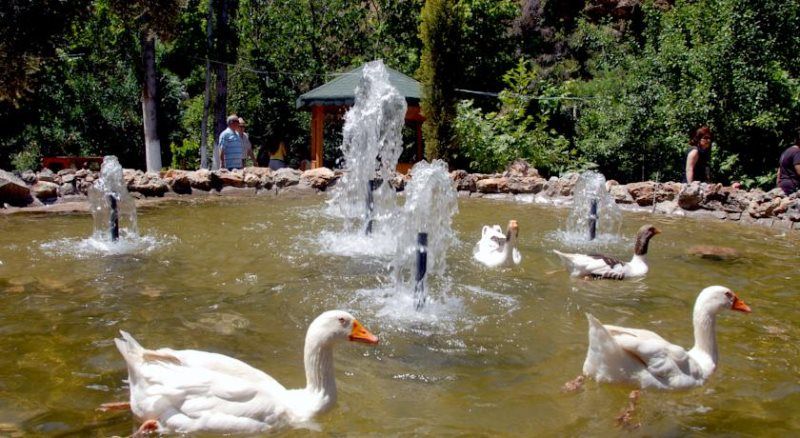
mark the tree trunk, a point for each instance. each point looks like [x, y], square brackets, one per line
[207, 97]
[220, 103]
[152, 145]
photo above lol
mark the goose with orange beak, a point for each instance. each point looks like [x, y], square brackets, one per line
[189, 391]
[497, 249]
[645, 359]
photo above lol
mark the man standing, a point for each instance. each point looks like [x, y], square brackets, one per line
[231, 151]
[246, 145]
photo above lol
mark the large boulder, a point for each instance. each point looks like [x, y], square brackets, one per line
[13, 190]
[232, 178]
[149, 184]
[642, 192]
[178, 181]
[793, 210]
[525, 184]
[520, 168]
[44, 190]
[620, 194]
[29, 177]
[319, 178]
[286, 177]
[690, 197]
[492, 185]
[464, 181]
[46, 175]
[200, 179]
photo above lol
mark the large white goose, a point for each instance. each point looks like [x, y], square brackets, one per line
[602, 266]
[498, 249]
[187, 391]
[643, 358]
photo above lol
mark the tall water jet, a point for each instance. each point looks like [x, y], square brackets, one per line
[371, 146]
[594, 214]
[113, 209]
[426, 232]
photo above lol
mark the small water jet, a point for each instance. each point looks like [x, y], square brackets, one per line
[426, 232]
[371, 147]
[594, 218]
[113, 208]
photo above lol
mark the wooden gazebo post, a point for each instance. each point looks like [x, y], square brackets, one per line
[317, 128]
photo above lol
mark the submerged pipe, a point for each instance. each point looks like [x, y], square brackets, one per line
[593, 219]
[370, 204]
[422, 269]
[113, 219]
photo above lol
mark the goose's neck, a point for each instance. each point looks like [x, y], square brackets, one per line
[320, 376]
[705, 336]
[642, 241]
[511, 243]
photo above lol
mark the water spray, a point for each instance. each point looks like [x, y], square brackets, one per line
[422, 269]
[371, 185]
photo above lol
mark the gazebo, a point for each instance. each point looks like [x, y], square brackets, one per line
[335, 96]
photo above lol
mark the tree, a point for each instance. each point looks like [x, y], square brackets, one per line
[440, 32]
[153, 19]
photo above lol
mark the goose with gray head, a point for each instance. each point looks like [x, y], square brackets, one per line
[497, 248]
[645, 359]
[190, 391]
[602, 266]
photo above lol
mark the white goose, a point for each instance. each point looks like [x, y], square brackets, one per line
[498, 249]
[187, 391]
[602, 266]
[643, 358]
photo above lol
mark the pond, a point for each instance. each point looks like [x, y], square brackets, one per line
[488, 355]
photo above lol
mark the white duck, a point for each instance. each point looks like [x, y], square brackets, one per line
[498, 249]
[188, 391]
[643, 358]
[602, 266]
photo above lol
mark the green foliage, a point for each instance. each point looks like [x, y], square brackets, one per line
[520, 129]
[729, 64]
[27, 159]
[186, 155]
[440, 32]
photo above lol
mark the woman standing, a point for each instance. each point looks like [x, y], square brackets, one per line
[789, 169]
[698, 156]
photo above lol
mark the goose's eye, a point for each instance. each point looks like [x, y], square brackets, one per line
[729, 295]
[342, 321]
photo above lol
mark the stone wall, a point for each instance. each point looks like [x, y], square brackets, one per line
[520, 182]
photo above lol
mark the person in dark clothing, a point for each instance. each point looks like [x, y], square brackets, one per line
[698, 156]
[789, 169]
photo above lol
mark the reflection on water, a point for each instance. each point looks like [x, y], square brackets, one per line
[245, 277]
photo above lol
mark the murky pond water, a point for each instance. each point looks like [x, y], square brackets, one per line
[488, 356]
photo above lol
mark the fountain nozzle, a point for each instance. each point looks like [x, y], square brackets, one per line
[422, 268]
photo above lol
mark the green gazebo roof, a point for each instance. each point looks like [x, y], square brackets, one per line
[341, 90]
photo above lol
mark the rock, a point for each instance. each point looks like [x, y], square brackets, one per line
[669, 208]
[231, 178]
[149, 184]
[793, 210]
[464, 180]
[252, 180]
[620, 194]
[237, 191]
[130, 175]
[258, 171]
[286, 177]
[492, 185]
[713, 252]
[83, 186]
[178, 181]
[67, 178]
[319, 178]
[45, 190]
[297, 190]
[13, 190]
[82, 173]
[399, 181]
[690, 196]
[520, 168]
[642, 192]
[67, 189]
[29, 177]
[525, 184]
[764, 209]
[200, 179]
[46, 175]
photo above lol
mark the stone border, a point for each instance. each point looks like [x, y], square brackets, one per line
[67, 191]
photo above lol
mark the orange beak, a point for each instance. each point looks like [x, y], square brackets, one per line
[361, 334]
[740, 305]
[656, 231]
